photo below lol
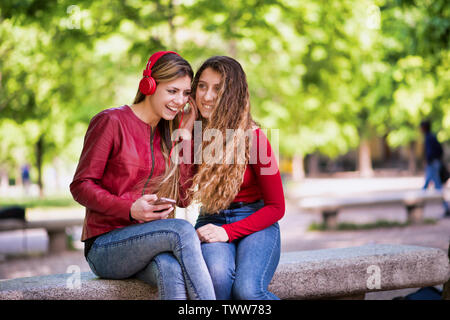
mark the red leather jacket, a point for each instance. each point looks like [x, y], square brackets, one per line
[120, 152]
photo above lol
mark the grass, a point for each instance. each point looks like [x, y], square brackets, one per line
[37, 202]
[347, 226]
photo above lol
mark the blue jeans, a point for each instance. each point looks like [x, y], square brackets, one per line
[164, 253]
[432, 174]
[242, 269]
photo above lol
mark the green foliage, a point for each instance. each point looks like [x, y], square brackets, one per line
[48, 202]
[325, 73]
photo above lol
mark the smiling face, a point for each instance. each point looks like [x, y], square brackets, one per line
[207, 91]
[170, 97]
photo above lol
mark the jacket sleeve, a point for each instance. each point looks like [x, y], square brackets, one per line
[86, 186]
[270, 184]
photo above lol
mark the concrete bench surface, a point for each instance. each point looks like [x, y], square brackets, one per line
[49, 225]
[406, 198]
[316, 274]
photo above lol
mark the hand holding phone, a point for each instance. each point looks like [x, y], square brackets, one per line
[163, 200]
[149, 207]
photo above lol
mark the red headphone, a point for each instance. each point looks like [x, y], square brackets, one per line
[147, 85]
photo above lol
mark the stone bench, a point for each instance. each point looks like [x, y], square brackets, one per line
[317, 274]
[413, 201]
[56, 229]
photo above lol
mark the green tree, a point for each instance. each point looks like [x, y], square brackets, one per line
[330, 75]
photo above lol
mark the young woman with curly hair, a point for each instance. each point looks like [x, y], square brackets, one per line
[241, 194]
[123, 172]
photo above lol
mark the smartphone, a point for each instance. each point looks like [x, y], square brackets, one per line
[163, 200]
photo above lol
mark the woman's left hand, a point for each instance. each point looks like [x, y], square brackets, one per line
[212, 233]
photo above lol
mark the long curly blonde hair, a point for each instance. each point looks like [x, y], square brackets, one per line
[215, 185]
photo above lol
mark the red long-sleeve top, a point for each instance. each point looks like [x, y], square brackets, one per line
[262, 180]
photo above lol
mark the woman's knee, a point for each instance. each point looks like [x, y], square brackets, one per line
[185, 232]
[183, 227]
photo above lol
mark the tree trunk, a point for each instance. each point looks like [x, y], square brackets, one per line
[18, 176]
[172, 30]
[365, 161]
[232, 44]
[56, 166]
[412, 164]
[232, 48]
[386, 150]
[298, 169]
[39, 154]
[4, 181]
[313, 165]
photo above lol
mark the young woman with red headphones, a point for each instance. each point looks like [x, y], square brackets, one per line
[123, 173]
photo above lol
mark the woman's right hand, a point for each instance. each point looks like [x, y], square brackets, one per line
[190, 116]
[143, 209]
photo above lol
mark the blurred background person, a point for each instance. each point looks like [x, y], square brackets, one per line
[25, 172]
[433, 157]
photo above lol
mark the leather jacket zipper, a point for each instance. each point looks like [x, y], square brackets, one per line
[153, 159]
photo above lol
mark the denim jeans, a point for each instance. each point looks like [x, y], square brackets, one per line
[432, 174]
[164, 253]
[242, 269]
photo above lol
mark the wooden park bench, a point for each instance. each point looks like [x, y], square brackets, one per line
[414, 202]
[343, 273]
[56, 229]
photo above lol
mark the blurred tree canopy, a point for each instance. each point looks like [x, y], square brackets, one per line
[328, 74]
